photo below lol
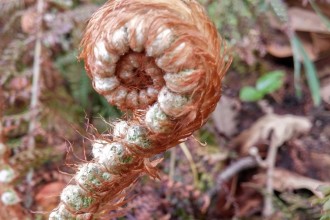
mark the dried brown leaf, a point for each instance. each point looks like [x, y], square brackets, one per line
[29, 21]
[225, 116]
[325, 91]
[285, 180]
[48, 196]
[310, 28]
[280, 48]
[305, 20]
[273, 129]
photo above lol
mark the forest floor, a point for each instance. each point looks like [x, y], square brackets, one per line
[259, 159]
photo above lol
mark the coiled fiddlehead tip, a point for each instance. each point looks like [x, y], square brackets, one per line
[162, 61]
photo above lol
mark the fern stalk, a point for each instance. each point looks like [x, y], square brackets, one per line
[159, 61]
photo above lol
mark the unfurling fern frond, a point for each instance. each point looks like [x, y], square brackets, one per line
[161, 62]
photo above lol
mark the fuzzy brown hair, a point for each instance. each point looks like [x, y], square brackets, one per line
[161, 62]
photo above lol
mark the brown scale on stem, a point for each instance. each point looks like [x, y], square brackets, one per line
[160, 60]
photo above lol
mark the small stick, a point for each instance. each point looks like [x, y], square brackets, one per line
[233, 169]
[193, 168]
[36, 75]
[172, 163]
[35, 95]
[269, 164]
[268, 209]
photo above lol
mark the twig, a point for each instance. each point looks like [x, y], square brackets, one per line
[36, 75]
[269, 164]
[172, 163]
[250, 162]
[192, 164]
[265, 107]
[233, 169]
[35, 95]
[254, 152]
[268, 209]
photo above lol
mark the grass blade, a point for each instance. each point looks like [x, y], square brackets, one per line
[297, 67]
[310, 72]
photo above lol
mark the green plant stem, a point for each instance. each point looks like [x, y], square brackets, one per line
[309, 67]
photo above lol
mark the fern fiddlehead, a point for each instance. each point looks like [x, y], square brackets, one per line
[161, 62]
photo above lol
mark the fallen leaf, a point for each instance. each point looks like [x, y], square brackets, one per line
[310, 29]
[305, 20]
[307, 42]
[29, 21]
[325, 92]
[285, 180]
[47, 197]
[279, 45]
[278, 49]
[225, 116]
[19, 83]
[321, 43]
[275, 128]
[249, 207]
[282, 49]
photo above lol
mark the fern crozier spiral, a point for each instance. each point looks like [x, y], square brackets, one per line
[160, 61]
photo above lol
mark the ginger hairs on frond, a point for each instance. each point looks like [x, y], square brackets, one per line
[162, 62]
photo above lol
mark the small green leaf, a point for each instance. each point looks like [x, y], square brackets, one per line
[250, 94]
[270, 82]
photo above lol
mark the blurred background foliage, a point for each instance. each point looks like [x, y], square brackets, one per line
[265, 37]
